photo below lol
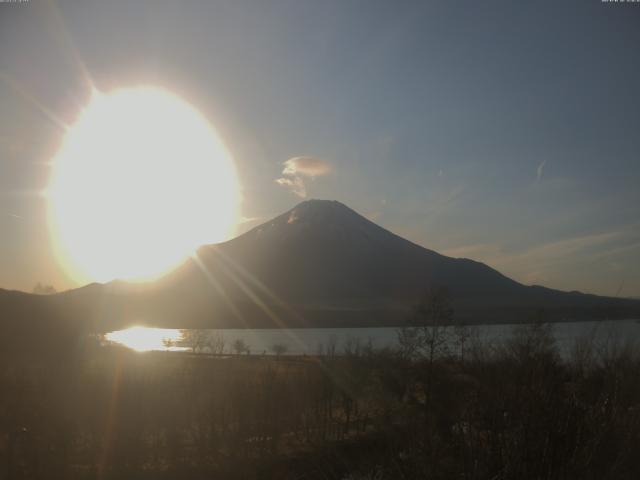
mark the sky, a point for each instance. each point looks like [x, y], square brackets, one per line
[507, 132]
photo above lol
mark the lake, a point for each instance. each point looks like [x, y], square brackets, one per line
[311, 341]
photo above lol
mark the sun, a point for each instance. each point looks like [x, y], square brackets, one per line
[140, 181]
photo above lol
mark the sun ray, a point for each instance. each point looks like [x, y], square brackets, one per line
[266, 290]
[52, 117]
[64, 39]
[256, 299]
[110, 420]
[218, 286]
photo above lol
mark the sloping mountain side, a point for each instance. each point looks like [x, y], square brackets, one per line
[319, 264]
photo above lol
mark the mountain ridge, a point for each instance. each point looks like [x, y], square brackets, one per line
[318, 264]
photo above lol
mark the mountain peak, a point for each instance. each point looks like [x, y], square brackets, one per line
[318, 202]
[320, 224]
[322, 209]
[321, 205]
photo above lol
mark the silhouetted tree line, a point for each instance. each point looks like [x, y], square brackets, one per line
[472, 411]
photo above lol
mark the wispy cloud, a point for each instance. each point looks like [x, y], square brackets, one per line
[296, 168]
[296, 184]
[541, 263]
[540, 169]
[548, 250]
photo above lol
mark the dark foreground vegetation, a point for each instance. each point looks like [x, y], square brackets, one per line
[510, 411]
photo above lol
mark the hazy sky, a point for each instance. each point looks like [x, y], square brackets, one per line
[507, 132]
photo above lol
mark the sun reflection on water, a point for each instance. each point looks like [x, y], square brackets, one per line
[145, 339]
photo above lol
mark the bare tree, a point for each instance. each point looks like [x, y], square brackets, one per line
[409, 341]
[352, 347]
[428, 335]
[434, 313]
[533, 344]
[332, 345]
[462, 334]
[218, 343]
[240, 346]
[168, 343]
[279, 349]
[196, 340]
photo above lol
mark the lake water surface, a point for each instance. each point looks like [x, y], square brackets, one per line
[311, 341]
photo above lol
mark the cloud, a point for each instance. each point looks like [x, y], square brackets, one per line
[298, 167]
[549, 262]
[540, 169]
[308, 166]
[296, 184]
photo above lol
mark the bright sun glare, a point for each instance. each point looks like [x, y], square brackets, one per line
[140, 181]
